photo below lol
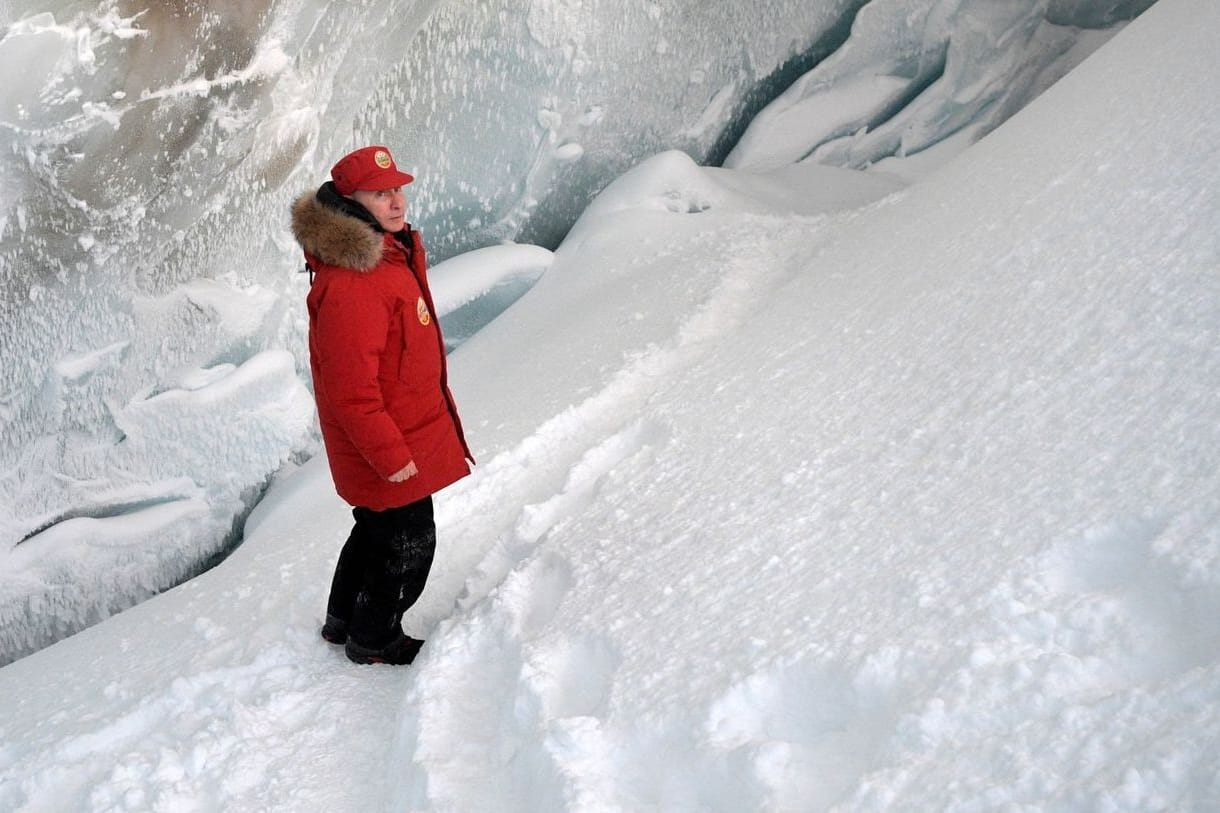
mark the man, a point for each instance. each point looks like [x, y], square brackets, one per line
[389, 423]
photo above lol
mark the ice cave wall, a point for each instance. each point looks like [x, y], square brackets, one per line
[151, 349]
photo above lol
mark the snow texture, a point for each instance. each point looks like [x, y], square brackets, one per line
[906, 499]
[149, 154]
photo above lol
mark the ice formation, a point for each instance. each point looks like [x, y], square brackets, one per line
[148, 158]
[896, 90]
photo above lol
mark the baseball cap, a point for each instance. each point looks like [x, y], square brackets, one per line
[370, 168]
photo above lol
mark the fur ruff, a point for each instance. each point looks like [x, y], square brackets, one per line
[333, 237]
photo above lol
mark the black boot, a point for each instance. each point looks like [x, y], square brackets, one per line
[334, 630]
[400, 651]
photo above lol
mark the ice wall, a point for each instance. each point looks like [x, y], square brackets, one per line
[907, 95]
[148, 285]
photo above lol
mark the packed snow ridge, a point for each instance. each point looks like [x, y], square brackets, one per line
[800, 490]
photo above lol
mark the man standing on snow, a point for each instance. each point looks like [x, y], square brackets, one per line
[389, 423]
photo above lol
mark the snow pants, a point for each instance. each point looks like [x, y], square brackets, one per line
[382, 570]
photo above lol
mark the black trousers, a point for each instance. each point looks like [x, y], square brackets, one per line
[382, 570]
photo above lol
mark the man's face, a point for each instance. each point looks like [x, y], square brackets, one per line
[389, 206]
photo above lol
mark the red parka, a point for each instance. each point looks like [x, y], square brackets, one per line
[378, 360]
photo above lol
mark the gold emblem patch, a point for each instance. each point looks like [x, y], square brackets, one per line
[421, 310]
[382, 158]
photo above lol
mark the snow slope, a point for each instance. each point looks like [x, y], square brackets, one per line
[787, 502]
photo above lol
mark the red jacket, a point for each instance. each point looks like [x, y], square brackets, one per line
[378, 361]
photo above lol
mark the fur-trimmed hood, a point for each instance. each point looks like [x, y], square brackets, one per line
[335, 236]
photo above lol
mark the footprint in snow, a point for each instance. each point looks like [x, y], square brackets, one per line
[808, 731]
[573, 676]
[532, 595]
[1145, 615]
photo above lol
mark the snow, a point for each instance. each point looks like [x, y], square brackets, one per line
[466, 277]
[149, 156]
[895, 90]
[139, 515]
[896, 499]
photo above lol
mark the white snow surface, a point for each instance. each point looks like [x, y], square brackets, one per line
[149, 155]
[910, 504]
[462, 279]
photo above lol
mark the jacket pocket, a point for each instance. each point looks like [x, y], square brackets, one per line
[405, 344]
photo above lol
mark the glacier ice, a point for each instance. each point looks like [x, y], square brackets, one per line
[897, 91]
[147, 276]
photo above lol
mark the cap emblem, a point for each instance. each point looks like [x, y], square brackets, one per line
[382, 158]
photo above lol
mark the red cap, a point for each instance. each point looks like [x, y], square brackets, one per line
[371, 168]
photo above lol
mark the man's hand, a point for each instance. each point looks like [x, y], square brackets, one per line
[407, 472]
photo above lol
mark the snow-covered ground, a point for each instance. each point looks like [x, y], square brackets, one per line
[797, 491]
[148, 289]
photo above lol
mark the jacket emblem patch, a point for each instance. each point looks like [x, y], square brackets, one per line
[421, 310]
